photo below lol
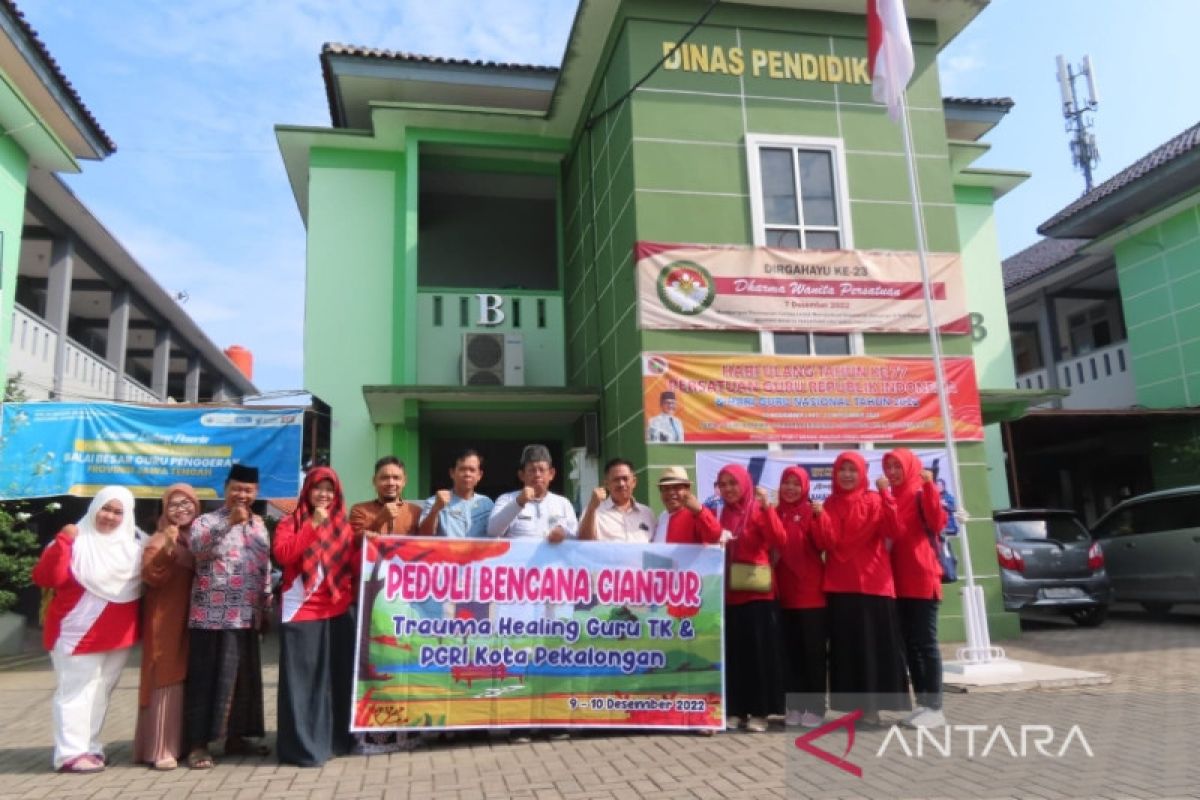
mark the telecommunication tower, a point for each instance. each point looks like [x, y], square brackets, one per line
[1078, 115]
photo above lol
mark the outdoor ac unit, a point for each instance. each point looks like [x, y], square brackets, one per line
[493, 359]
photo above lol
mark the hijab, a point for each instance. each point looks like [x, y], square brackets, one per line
[332, 550]
[907, 491]
[109, 565]
[734, 516]
[802, 506]
[854, 507]
[177, 488]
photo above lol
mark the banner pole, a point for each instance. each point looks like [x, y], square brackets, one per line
[979, 649]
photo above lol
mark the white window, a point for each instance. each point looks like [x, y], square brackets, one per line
[798, 199]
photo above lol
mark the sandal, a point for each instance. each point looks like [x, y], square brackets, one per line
[82, 764]
[200, 759]
[241, 747]
[165, 764]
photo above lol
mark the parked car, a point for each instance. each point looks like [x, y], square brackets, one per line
[1048, 562]
[1152, 548]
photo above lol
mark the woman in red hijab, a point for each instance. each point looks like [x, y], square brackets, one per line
[917, 520]
[866, 664]
[319, 554]
[752, 670]
[800, 573]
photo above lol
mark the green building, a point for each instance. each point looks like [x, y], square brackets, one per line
[450, 198]
[46, 126]
[1107, 309]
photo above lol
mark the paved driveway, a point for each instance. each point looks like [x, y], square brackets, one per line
[1153, 703]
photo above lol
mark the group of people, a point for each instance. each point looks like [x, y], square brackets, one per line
[840, 596]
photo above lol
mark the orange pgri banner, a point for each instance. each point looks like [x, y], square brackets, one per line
[729, 397]
[683, 287]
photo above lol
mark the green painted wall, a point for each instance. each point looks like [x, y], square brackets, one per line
[1160, 292]
[670, 166]
[985, 298]
[349, 315]
[14, 173]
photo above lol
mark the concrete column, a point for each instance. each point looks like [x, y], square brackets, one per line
[161, 367]
[220, 392]
[1048, 341]
[58, 305]
[191, 393]
[118, 337]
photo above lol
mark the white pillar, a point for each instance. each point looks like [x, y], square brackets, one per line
[58, 305]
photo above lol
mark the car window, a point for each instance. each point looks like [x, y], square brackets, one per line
[1167, 514]
[1055, 528]
[1119, 523]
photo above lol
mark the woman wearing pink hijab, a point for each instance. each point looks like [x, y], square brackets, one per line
[752, 669]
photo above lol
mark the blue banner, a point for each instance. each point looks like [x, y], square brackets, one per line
[49, 449]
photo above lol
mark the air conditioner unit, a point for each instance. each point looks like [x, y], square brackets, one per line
[493, 359]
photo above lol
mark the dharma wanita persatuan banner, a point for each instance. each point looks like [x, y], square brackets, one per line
[683, 287]
[484, 633]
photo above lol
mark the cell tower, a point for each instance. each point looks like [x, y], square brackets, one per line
[1078, 115]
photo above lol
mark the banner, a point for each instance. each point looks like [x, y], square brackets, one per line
[49, 449]
[775, 289]
[730, 397]
[483, 633]
[766, 468]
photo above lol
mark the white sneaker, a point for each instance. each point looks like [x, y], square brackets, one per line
[810, 720]
[756, 724]
[733, 723]
[793, 717]
[928, 718]
[916, 712]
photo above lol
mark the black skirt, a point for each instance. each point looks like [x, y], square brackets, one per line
[223, 698]
[866, 654]
[753, 684]
[316, 672]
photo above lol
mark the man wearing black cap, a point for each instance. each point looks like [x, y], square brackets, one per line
[665, 427]
[230, 600]
[534, 512]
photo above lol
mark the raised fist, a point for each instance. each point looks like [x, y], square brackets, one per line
[882, 483]
[817, 508]
[525, 496]
[926, 476]
[599, 495]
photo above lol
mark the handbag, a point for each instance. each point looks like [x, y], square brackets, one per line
[941, 547]
[750, 577]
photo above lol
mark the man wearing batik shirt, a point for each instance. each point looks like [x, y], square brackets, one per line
[230, 600]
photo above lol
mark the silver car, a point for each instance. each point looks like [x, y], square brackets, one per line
[1152, 548]
[1048, 562]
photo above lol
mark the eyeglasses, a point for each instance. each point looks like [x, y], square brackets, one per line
[180, 505]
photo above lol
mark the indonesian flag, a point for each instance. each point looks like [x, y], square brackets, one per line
[889, 53]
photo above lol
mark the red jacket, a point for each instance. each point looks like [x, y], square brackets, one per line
[297, 605]
[915, 565]
[854, 542]
[82, 621]
[688, 527]
[800, 573]
[762, 533]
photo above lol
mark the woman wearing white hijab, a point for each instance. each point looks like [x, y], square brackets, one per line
[94, 569]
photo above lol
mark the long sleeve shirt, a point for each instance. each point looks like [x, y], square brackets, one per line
[233, 566]
[533, 520]
[78, 621]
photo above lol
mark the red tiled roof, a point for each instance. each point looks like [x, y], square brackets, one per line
[56, 71]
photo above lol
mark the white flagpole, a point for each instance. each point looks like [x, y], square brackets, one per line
[979, 649]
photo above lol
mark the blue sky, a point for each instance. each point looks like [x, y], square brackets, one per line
[190, 91]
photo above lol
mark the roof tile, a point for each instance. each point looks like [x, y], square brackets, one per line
[1038, 259]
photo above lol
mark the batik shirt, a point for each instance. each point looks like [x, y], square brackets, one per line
[233, 565]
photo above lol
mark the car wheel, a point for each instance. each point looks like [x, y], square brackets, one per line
[1090, 617]
[1158, 609]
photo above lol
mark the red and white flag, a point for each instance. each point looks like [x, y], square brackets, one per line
[889, 53]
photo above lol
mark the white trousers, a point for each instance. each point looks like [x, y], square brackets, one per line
[85, 682]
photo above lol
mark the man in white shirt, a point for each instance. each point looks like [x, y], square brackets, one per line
[612, 514]
[534, 512]
[665, 427]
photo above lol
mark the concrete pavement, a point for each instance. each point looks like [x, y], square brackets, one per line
[1141, 728]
